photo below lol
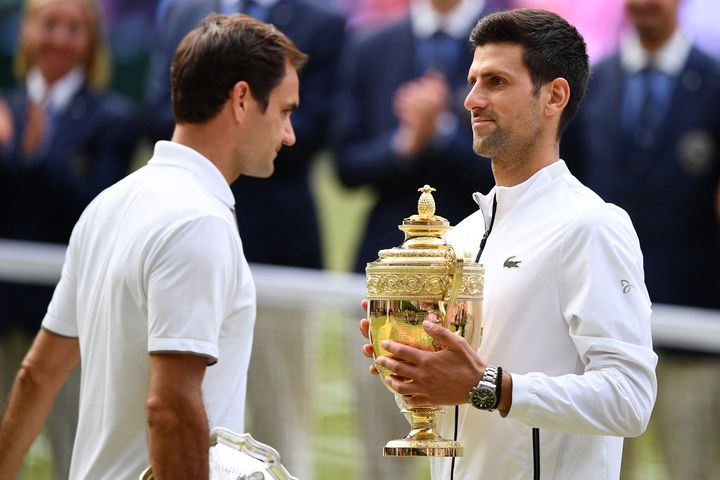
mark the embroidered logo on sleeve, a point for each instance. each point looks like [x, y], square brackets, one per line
[510, 263]
[626, 286]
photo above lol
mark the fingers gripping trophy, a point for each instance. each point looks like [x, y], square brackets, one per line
[424, 278]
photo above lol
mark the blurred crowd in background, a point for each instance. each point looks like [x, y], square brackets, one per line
[129, 27]
[82, 87]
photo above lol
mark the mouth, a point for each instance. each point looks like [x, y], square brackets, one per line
[477, 118]
[480, 122]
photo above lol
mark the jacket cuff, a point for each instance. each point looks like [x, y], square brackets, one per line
[522, 393]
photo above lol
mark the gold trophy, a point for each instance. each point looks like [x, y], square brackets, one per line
[423, 278]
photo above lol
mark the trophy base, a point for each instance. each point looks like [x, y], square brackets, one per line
[407, 447]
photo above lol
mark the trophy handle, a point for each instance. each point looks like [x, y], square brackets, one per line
[455, 265]
[455, 269]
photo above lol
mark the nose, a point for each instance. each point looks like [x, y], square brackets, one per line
[61, 33]
[475, 99]
[289, 136]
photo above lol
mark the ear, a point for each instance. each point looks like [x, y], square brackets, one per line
[558, 96]
[240, 98]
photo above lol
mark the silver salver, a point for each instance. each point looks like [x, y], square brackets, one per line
[238, 456]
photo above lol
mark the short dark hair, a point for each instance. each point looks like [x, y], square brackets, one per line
[553, 48]
[222, 51]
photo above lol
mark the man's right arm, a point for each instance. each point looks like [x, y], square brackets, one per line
[178, 435]
[43, 371]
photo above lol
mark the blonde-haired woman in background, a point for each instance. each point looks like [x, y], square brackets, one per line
[62, 140]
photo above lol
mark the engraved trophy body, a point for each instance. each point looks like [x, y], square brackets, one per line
[422, 277]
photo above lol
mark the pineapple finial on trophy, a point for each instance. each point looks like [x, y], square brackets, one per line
[426, 203]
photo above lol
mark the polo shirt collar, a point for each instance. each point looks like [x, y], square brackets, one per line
[507, 197]
[172, 154]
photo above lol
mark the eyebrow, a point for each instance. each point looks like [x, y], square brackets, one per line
[487, 74]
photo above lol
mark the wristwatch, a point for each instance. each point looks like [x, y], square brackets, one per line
[486, 395]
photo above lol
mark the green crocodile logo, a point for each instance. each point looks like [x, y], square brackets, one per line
[510, 263]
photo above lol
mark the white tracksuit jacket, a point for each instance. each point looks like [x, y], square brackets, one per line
[566, 312]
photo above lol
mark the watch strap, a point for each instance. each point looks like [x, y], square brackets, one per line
[498, 387]
[490, 376]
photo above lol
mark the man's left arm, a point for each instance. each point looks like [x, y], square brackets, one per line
[605, 304]
[44, 370]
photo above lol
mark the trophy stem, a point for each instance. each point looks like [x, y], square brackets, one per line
[423, 439]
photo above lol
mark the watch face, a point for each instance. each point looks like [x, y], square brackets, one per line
[483, 397]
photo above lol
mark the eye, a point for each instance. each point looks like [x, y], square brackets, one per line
[74, 28]
[497, 81]
[47, 25]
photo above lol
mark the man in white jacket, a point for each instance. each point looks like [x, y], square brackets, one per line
[566, 367]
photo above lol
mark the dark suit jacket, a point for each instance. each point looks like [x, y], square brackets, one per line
[375, 66]
[668, 188]
[43, 196]
[276, 216]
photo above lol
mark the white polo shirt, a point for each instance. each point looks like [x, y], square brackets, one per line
[567, 313]
[155, 264]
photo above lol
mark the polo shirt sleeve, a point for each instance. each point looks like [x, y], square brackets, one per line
[61, 316]
[190, 278]
[605, 304]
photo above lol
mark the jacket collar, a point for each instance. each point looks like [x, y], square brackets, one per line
[507, 197]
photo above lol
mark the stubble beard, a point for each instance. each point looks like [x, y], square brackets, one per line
[506, 150]
[490, 145]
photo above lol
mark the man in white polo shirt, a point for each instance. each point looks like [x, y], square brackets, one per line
[566, 357]
[156, 300]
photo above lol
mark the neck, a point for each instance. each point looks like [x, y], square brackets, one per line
[206, 139]
[653, 40]
[443, 7]
[515, 169]
[50, 80]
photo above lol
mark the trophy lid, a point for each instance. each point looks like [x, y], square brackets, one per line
[425, 266]
[424, 233]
